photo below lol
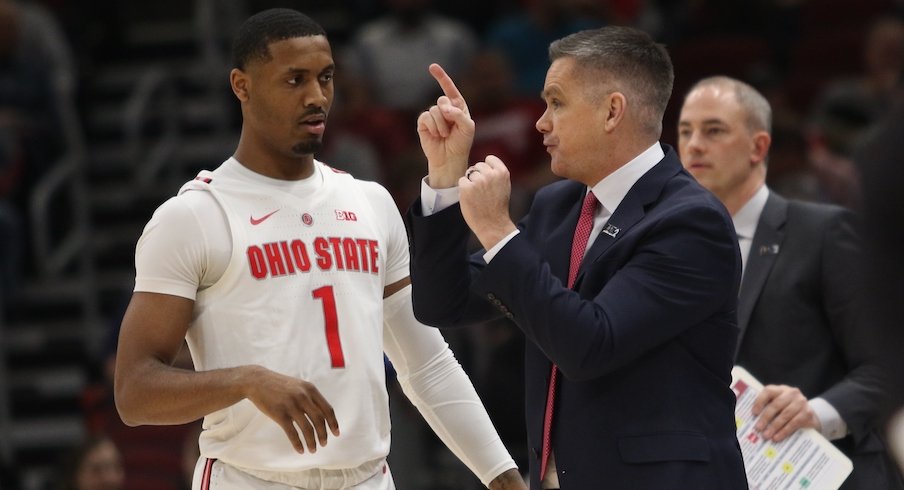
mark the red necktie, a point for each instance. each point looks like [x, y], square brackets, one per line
[578, 246]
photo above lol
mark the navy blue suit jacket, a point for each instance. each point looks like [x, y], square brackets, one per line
[644, 340]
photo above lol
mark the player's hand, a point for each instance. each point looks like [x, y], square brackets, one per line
[296, 405]
[782, 411]
[446, 131]
[485, 192]
[508, 480]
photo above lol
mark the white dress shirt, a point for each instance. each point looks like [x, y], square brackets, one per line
[745, 221]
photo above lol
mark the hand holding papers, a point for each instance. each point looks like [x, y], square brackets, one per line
[806, 460]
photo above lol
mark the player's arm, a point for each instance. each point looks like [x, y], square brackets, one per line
[428, 372]
[437, 385]
[396, 287]
[148, 388]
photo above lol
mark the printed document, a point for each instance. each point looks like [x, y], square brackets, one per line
[804, 461]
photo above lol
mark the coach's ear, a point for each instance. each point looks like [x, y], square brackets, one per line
[240, 83]
[614, 107]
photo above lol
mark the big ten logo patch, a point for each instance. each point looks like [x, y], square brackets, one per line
[345, 215]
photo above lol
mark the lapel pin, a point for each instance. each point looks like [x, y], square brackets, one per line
[611, 230]
[769, 249]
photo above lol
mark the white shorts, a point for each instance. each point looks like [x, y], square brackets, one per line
[211, 474]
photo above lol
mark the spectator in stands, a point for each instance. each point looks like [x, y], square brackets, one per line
[151, 455]
[35, 66]
[506, 125]
[351, 152]
[883, 61]
[835, 131]
[94, 465]
[393, 52]
[365, 136]
[848, 108]
[524, 36]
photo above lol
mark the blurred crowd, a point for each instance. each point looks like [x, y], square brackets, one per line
[832, 74]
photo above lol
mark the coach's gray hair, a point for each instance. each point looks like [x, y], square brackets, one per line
[631, 60]
[759, 112]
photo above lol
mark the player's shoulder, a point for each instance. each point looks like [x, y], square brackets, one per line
[192, 204]
[373, 191]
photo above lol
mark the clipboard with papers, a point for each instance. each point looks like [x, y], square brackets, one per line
[804, 461]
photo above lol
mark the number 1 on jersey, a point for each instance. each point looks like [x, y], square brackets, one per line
[331, 322]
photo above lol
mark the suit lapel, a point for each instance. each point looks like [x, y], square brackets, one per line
[764, 249]
[632, 208]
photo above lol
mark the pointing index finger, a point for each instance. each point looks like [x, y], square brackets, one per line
[445, 82]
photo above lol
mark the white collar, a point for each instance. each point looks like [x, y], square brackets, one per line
[746, 219]
[614, 187]
[235, 169]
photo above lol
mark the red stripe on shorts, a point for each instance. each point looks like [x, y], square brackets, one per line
[205, 477]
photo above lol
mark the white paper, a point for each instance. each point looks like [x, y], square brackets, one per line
[804, 461]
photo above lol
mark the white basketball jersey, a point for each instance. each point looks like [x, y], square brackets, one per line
[303, 296]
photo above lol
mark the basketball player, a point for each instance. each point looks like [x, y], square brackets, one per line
[289, 280]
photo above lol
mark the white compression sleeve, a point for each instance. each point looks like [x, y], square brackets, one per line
[437, 385]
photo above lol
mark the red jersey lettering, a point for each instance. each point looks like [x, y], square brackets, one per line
[373, 256]
[351, 255]
[322, 249]
[256, 262]
[300, 255]
[336, 242]
[274, 259]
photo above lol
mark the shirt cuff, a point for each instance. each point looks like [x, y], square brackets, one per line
[488, 256]
[435, 200]
[833, 426]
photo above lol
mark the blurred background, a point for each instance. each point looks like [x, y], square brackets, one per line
[107, 107]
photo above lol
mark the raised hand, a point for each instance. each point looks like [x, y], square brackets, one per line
[292, 402]
[446, 131]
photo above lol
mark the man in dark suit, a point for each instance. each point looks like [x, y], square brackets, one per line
[800, 309]
[883, 211]
[629, 350]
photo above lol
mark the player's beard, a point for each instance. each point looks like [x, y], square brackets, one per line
[308, 147]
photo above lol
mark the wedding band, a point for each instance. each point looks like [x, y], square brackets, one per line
[471, 171]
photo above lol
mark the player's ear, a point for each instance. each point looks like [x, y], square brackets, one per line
[241, 84]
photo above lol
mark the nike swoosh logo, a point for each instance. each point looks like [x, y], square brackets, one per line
[257, 221]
